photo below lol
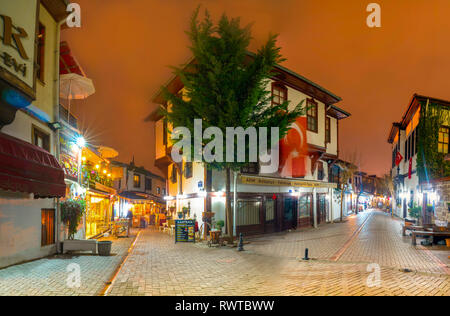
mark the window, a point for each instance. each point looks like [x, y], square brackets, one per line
[247, 212]
[148, 184]
[137, 181]
[47, 227]
[279, 94]
[188, 169]
[173, 176]
[311, 115]
[305, 206]
[158, 190]
[327, 130]
[40, 138]
[443, 140]
[320, 173]
[40, 52]
[270, 210]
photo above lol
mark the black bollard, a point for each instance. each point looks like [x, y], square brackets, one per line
[241, 242]
[306, 254]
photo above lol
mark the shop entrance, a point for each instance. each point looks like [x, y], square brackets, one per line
[290, 205]
[322, 208]
[305, 216]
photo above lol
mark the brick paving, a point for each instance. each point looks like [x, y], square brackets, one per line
[270, 265]
[48, 276]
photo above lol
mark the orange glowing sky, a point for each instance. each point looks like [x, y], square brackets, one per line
[127, 46]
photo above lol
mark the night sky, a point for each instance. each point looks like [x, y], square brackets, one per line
[127, 46]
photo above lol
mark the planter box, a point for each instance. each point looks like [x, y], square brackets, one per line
[80, 245]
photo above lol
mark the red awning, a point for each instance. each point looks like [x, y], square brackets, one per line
[27, 168]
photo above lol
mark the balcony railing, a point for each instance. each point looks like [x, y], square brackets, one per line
[70, 119]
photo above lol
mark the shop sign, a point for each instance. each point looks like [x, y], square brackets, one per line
[185, 230]
[69, 165]
[17, 43]
[285, 182]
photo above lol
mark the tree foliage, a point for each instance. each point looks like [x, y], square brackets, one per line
[225, 85]
[431, 164]
[71, 214]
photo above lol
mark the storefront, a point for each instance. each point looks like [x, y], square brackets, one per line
[145, 209]
[99, 213]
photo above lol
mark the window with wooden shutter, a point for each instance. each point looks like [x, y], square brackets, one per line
[47, 227]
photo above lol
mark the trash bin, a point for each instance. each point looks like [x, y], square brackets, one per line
[104, 247]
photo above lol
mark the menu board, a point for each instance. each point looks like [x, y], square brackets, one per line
[185, 230]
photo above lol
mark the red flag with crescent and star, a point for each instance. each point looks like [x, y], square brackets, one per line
[293, 150]
[398, 158]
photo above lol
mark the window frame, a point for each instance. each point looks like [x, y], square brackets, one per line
[40, 53]
[447, 128]
[48, 238]
[327, 130]
[38, 132]
[188, 166]
[311, 102]
[136, 184]
[148, 184]
[281, 87]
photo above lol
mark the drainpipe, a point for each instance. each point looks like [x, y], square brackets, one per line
[330, 193]
[235, 173]
[315, 207]
[56, 117]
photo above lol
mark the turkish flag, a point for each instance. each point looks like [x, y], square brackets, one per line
[410, 168]
[293, 150]
[398, 158]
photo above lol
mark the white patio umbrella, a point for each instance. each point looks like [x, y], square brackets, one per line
[75, 86]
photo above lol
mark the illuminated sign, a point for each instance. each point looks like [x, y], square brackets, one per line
[285, 182]
[17, 43]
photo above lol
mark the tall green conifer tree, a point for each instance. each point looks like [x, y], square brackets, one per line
[226, 87]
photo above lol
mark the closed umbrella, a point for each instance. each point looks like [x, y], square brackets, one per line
[75, 86]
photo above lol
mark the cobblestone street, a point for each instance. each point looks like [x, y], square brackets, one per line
[48, 276]
[270, 265]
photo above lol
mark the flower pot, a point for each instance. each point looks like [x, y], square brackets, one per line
[104, 247]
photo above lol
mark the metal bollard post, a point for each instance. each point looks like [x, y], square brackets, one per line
[241, 242]
[306, 254]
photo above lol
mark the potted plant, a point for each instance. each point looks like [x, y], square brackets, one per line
[71, 214]
[220, 224]
[415, 212]
[180, 215]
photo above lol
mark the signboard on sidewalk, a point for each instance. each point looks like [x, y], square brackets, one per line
[185, 230]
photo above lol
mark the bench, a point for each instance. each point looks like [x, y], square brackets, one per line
[413, 228]
[427, 233]
[80, 245]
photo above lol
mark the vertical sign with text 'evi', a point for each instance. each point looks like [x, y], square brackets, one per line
[185, 230]
[18, 20]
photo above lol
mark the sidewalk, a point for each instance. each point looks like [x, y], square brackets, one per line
[48, 276]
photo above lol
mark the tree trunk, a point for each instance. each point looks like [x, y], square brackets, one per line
[228, 209]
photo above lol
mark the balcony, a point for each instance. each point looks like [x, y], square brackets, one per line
[63, 116]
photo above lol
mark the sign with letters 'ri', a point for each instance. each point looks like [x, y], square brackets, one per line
[17, 43]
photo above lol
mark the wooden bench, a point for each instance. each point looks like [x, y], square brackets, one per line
[428, 233]
[414, 227]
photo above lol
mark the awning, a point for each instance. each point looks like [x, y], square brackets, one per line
[27, 168]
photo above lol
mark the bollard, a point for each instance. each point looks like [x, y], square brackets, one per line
[241, 242]
[306, 254]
